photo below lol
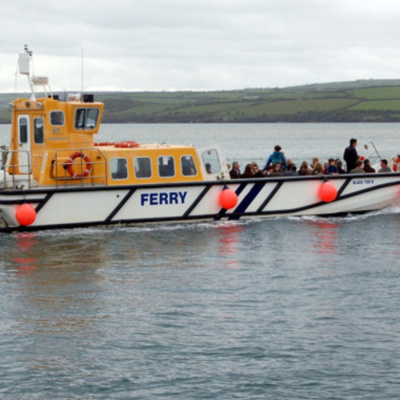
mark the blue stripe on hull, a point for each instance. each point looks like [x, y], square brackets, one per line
[245, 203]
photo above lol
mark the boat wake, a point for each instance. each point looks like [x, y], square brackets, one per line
[177, 227]
[393, 210]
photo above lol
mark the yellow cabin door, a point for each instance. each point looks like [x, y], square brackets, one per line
[24, 144]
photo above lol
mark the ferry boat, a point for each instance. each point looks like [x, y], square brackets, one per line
[55, 175]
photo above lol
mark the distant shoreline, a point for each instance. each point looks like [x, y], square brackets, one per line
[357, 101]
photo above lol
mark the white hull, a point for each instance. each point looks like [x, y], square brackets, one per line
[269, 197]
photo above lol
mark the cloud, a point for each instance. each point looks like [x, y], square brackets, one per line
[200, 45]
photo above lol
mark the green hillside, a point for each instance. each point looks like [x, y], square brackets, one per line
[372, 100]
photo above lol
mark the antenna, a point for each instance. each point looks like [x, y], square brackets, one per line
[82, 72]
[27, 51]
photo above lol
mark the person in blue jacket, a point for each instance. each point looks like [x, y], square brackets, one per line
[332, 168]
[276, 157]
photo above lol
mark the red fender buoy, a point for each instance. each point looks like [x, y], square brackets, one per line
[25, 214]
[327, 192]
[228, 198]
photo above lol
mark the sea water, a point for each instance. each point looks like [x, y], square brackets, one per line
[286, 308]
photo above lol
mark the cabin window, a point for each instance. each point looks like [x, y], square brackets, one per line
[211, 161]
[23, 130]
[57, 118]
[119, 168]
[86, 118]
[188, 166]
[38, 130]
[166, 166]
[91, 118]
[142, 167]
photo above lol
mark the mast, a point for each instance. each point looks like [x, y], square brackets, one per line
[24, 62]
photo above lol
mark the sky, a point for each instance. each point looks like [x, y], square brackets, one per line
[201, 45]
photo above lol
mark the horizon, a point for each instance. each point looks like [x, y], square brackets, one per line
[371, 80]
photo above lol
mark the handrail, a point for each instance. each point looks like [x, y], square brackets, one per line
[12, 177]
[12, 171]
[92, 179]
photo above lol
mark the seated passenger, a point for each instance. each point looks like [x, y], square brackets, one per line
[358, 169]
[208, 168]
[268, 171]
[367, 166]
[384, 166]
[318, 169]
[277, 170]
[235, 172]
[247, 172]
[331, 169]
[276, 157]
[339, 166]
[188, 167]
[255, 170]
[314, 161]
[304, 169]
[291, 170]
[289, 163]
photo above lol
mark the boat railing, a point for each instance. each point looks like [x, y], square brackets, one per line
[16, 173]
[91, 167]
[3, 155]
[375, 157]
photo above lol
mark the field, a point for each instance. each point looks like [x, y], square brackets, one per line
[371, 100]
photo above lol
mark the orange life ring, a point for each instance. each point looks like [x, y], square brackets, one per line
[103, 143]
[129, 144]
[70, 169]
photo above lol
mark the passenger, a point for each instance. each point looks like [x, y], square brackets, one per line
[235, 171]
[358, 168]
[188, 167]
[268, 171]
[384, 166]
[276, 157]
[350, 155]
[277, 170]
[208, 168]
[304, 169]
[247, 172]
[289, 163]
[331, 169]
[314, 161]
[318, 169]
[291, 170]
[367, 166]
[256, 171]
[339, 166]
